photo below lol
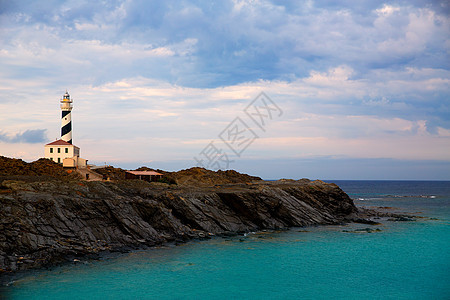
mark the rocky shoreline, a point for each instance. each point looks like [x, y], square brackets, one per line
[45, 221]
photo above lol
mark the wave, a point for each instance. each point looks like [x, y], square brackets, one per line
[378, 197]
[410, 196]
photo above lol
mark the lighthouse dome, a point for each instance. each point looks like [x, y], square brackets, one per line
[66, 95]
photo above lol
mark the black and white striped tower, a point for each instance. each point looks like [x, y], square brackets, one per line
[66, 120]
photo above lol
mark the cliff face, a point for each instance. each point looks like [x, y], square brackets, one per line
[44, 222]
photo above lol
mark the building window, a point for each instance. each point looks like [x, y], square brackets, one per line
[51, 158]
[51, 150]
[67, 150]
[59, 159]
[59, 150]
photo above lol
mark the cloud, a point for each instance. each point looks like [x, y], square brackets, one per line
[330, 104]
[219, 44]
[387, 10]
[31, 136]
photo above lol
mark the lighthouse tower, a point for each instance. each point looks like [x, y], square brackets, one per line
[66, 120]
[63, 151]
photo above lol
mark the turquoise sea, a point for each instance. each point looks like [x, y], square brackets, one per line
[395, 260]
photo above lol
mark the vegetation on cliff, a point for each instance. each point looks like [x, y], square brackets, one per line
[193, 176]
[47, 168]
[41, 167]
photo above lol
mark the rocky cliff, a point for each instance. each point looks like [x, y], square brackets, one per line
[43, 222]
[49, 215]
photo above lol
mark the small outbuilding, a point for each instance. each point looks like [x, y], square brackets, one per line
[143, 175]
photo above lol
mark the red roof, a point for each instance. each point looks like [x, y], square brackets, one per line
[60, 143]
[144, 173]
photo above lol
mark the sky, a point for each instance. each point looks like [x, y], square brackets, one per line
[277, 89]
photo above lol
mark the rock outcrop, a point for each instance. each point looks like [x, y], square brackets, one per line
[43, 222]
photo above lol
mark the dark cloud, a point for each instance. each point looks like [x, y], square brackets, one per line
[239, 41]
[30, 136]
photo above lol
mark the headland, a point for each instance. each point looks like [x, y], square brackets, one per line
[49, 216]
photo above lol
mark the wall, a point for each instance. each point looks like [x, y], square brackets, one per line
[55, 155]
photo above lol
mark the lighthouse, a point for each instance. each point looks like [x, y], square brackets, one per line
[63, 151]
[66, 119]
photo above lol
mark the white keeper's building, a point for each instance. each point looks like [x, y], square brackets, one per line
[63, 152]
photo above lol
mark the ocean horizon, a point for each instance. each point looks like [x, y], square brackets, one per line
[392, 260]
